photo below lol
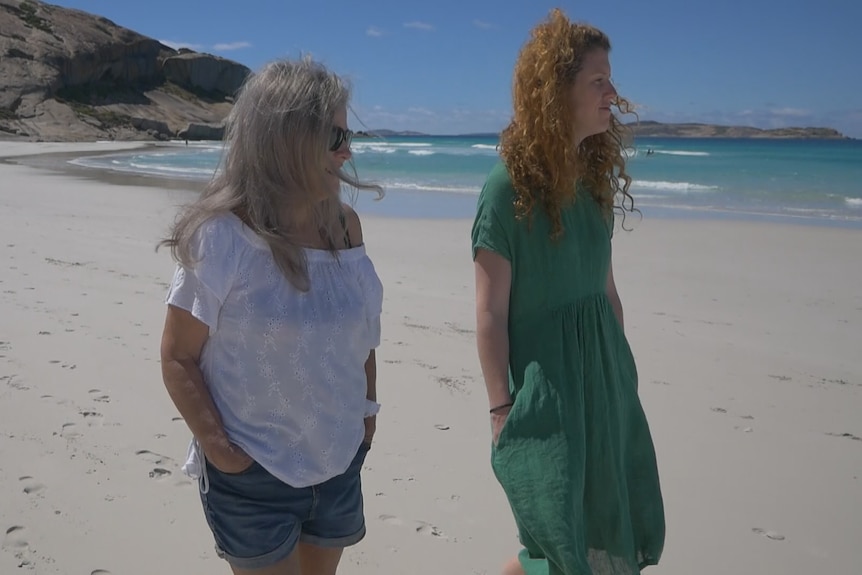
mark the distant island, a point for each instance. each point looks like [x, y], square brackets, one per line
[651, 129]
[387, 134]
[694, 130]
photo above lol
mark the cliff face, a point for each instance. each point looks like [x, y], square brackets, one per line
[70, 75]
[204, 72]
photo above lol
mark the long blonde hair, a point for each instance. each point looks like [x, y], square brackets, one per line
[538, 145]
[277, 141]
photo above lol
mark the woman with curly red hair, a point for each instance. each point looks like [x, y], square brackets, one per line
[571, 444]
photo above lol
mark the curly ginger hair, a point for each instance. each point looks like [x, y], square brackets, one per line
[538, 145]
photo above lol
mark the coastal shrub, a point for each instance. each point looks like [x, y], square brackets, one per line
[86, 94]
[179, 91]
[7, 114]
[27, 13]
[108, 118]
[16, 53]
[194, 94]
[107, 90]
[112, 119]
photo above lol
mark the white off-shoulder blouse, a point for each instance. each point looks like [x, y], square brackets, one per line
[285, 368]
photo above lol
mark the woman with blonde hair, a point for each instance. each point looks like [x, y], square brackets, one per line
[272, 321]
[570, 443]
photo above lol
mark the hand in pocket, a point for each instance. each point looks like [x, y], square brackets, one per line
[498, 420]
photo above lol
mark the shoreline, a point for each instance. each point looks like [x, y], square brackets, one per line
[59, 162]
[396, 203]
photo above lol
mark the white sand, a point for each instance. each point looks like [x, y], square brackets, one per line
[747, 338]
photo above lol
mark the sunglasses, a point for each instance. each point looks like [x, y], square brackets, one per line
[339, 137]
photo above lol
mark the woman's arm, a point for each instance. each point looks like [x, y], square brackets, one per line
[354, 229]
[493, 286]
[371, 393]
[182, 341]
[371, 375]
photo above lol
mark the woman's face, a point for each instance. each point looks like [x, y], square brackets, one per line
[592, 95]
[340, 140]
[342, 137]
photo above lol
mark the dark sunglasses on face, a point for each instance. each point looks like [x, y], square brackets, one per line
[339, 137]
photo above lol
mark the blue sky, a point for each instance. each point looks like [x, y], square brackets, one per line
[444, 66]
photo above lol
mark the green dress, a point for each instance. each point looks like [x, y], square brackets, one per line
[575, 457]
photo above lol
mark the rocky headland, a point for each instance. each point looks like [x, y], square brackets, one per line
[67, 75]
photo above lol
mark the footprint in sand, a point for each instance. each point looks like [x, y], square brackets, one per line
[458, 329]
[70, 431]
[420, 527]
[160, 461]
[420, 326]
[16, 536]
[12, 381]
[452, 384]
[154, 458]
[93, 418]
[423, 528]
[160, 473]
[97, 395]
[16, 542]
[847, 435]
[769, 534]
[31, 486]
[390, 520]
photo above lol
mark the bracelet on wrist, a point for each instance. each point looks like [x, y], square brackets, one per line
[494, 410]
[372, 408]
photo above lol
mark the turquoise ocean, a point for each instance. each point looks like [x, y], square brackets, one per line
[806, 181]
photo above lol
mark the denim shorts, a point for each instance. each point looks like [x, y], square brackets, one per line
[257, 520]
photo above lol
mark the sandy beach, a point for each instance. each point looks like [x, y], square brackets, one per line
[747, 337]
